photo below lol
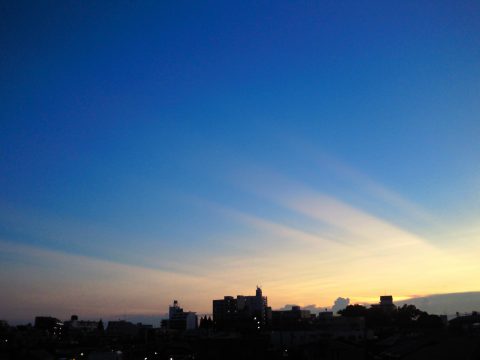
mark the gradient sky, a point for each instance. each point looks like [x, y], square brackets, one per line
[191, 150]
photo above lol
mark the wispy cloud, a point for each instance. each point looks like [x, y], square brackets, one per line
[372, 254]
[374, 188]
[333, 246]
[338, 169]
[86, 238]
[363, 227]
[42, 281]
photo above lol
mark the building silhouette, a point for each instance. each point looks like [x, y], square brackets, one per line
[179, 319]
[295, 317]
[242, 311]
[84, 326]
[52, 326]
[386, 304]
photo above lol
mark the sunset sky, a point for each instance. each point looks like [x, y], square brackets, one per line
[152, 151]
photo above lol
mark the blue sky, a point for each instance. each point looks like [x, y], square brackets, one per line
[191, 139]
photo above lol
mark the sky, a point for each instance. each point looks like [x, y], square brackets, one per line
[152, 151]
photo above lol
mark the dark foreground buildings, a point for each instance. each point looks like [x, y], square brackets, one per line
[244, 327]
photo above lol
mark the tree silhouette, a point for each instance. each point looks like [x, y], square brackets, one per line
[354, 311]
[100, 327]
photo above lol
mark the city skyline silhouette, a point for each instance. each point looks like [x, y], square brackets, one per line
[152, 151]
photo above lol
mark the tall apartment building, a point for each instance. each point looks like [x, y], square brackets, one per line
[242, 308]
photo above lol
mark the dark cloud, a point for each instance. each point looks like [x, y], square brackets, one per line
[314, 309]
[447, 304]
[340, 304]
[287, 307]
